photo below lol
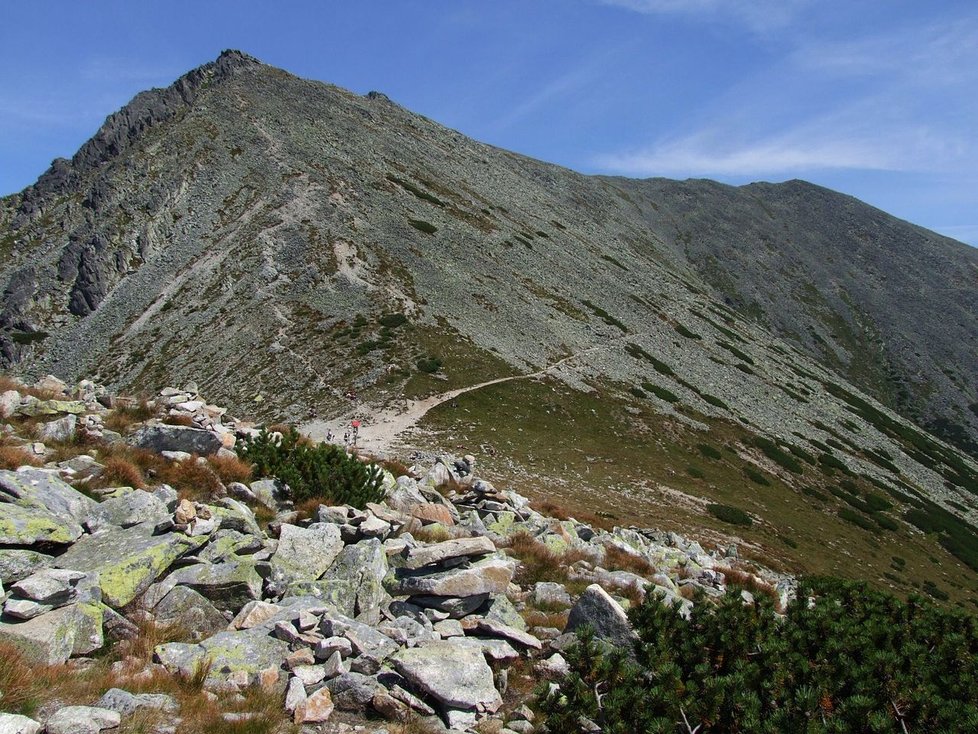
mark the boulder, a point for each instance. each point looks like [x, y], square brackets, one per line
[19, 564]
[244, 657]
[32, 408]
[9, 400]
[42, 489]
[16, 724]
[253, 614]
[318, 707]
[54, 637]
[454, 675]
[604, 615]
[82, 720]
[493, 628]
[126, 703]
[130, 509]
[127, 560]
[187, 608]
[548, 594]
[440, 553]
[304, 554]
[60, 430]
[295, 699]
[488, 576]
[352, 691]
[20, 526]
[55, 587]
[228, 586]
[164, 437]
[362, 568]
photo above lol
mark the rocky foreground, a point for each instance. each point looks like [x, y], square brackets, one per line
[442, 606]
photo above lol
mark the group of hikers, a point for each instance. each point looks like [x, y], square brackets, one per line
[350, 436]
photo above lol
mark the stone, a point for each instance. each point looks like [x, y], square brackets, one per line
[189, 609]
[374, 527]
[553, 667]
[432, 513]
[55, 636]
[185, 513]
[494, 649]
[228, 586]
[488, 576]
[21, 526]
[248, 657]
[362, 568]
[449, 628]
[50, 407]
[453, 607]
[604, 615]
[427, 555]
[16, 724]
[319, 707]
[9, 400]
[267, 492]
[131, 509]
[494, 628]
[334, 666]
[548, 594]
[456, 676]
[25, 608]
[127, 560]
[331, 645]
[501, 609]
[237, 516]
[60, 430]
[54, 586]
[295, 700]
[43, 489]
[82, 720]
[176, 438]
[253, 614]
[304, 554]
[352, 691]
[126, 703]
[19, 564]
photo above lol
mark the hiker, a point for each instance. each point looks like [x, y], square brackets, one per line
[329, 436]
[346, 439]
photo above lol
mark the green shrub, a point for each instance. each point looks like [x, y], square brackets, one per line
[683, 331]
[393, 320]
[695, 472]
[423, 226]
[638, 353]
[855, 660]
[661, 392]
[324, 472]
[776, 454]
[430, 365]
[714, 401]
[708, 451]
[637, 392]
[605, 316]
[856, 519]
[729, 514]
[756, 477]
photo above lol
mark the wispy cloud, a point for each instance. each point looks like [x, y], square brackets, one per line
[757, 15]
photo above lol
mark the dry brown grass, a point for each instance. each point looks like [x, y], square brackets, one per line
[539, 563]
[307, 508]
[123, 417]
[745, 580]
[231, 468]
[191, 479]
[14, 457]
[119, 471]
[180, 419]
[9, 383]
[553, 509]
[616, 559]
[541, 618]
[433, 533]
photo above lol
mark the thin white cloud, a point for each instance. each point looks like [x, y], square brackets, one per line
[757, 15]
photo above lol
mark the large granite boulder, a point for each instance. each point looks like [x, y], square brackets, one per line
[455, 675]
[164, 437]
[596, 609]
[54, 637]
[488, 576]
[228, 586]
[304, 554]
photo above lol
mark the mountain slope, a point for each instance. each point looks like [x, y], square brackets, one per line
[288, 243]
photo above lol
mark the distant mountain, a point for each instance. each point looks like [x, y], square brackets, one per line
[288, 243]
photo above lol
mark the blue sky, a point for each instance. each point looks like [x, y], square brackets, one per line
[875, 98]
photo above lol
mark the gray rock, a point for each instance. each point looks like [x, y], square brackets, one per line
[362, 568]
[25, 608]
[233, 656]
[187, 608]
[267, 491]
[454, 675]
[295, 696]
[439, 553]
[492, 648]
[304, 554]
[168, 496]
[488, 576]
[604, 615]
[237, 516]
[550, 594]
[495, 628]
[55, 636]
[19, 564]
[82, 720]
[352, 691]
[176, 438]
[454, 607]
[130, 509]
[39, 489]
[228, 586]
[500, 609]
[60, 430]
[16, 724]
[126, 703]
[127, 560]
[53, 586]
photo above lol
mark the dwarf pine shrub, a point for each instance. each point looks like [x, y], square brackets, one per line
[324, 471]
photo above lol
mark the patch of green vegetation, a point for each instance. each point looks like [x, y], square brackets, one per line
[829, 463]
[605, 316]
[708, 451]
[856, 519]
[956, 536]
[732, 515]
[812, 492]
[418, 192]
[423, 226]
[695, 472]
[29, 337]
[744, 368]
[637, 392]
[755, 476]
[713, 400]
[736, 352]
[393, 320]
[614, 261]
[780, 457]
[368, 346]
[638, 353]
[429, 364]
[683, 331]
[660, 392]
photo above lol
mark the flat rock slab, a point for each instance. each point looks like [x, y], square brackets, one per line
[456, 676]
[82, 720]
[131, 509]
[304, 554]
[16, 724]
[176, 438]
[191, 610]
[21, 526]
[126, 703]
[494, 628]
[362, 568]
[233, 656]
[604, 615]
[54, 637]
[428, 555]
[19, 564]
[488, 576]
[127, 560]
[52, 407]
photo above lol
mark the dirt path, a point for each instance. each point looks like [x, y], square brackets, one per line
[380, 427]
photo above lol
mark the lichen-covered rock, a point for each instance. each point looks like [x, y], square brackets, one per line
[126, 703]
[185, 607]
[56, 504]
[55, 636]
[228, 586]
[176, 438]
[455, 675]
[127, 560]
[17, 564]
[304, 554]
[81, 720]
[130, 509]
[362, 568]
[439, 553]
